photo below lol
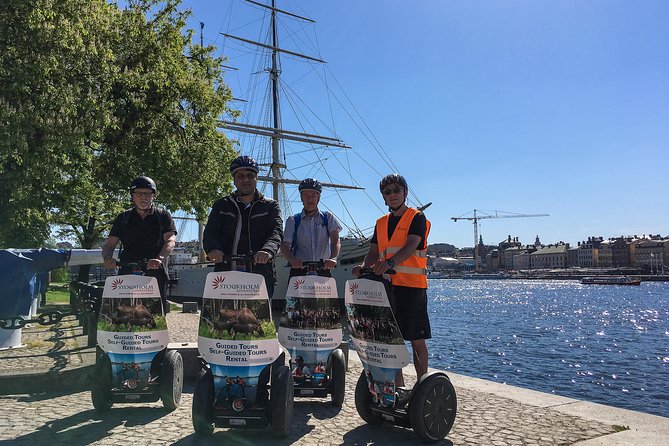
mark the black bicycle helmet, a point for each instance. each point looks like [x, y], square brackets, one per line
[393, 178]
[310, 184]
[243, 162]
[143, 183]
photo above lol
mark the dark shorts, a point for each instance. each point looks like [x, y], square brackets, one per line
[410, 308]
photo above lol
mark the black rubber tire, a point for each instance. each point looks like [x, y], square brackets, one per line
[203, 404]
[433, 407]
[338, 377]
[171, 379]
[281, 401]
[363, 401]
[102, 384]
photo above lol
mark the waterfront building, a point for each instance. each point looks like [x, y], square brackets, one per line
[605, 254]
[588, 252]
[572, 257]
[523, 259]
[550, 256]
[620, 252]
[491, 261]
[509, 255]
[502, 259]
[652, 254]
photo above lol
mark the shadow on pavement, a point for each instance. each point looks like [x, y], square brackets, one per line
[320, 410]
[385, 434]
[89, 426]
[232, 437]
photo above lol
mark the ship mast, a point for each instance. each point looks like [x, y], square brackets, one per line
[276, 133]
[274, 75]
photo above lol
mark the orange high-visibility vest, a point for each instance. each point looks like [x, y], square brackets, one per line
[413, 271]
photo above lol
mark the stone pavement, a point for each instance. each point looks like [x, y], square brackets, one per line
[488, 413]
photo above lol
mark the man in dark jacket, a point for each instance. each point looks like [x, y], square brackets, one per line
[244, 221]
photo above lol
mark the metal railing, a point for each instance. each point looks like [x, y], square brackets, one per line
[85, 300]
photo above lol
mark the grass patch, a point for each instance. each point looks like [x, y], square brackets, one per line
[57, 295]
[619, 428]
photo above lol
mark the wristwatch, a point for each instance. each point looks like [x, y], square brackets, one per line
[391, 263]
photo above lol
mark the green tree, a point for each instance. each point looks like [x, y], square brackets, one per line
[92, 95]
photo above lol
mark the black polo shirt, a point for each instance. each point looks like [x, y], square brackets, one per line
[418, 227]
[142, 238]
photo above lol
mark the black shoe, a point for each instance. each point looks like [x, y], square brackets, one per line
[402, 396]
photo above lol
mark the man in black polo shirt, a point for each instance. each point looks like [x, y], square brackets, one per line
[147, 235]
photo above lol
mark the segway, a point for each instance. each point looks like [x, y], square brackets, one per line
[133, 364]
[239, 352]
[430, 407]
[310, 329]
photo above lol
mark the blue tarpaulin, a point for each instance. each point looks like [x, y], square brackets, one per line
[23, 275]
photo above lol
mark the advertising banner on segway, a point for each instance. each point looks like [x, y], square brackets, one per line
[376, 336]
[310, 328]
[237, 336]
[131, 328]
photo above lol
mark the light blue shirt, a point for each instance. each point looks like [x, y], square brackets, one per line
[313, 240]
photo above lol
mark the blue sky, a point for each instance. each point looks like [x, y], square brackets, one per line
[518, 106]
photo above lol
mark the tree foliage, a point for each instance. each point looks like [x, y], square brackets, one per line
[93, 95]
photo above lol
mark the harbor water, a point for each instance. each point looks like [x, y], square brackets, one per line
[600, 343]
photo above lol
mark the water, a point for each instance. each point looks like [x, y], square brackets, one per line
[606, 344]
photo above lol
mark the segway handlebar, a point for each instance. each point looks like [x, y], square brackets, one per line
[243, 262]
[370, 272]
[313, 265]
[136, 268]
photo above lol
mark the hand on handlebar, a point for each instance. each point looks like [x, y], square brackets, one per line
[261, 257]
[330, 264]
[110, 263]
[154, 263]
[216, 255]
[380, 267]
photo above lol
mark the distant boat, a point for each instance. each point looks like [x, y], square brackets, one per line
[486, 276]
[610, 280]
[438, 275]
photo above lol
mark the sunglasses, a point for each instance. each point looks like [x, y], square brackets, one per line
[395, 190]
[143, 194]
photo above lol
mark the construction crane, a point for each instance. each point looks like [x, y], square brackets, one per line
[494, 214]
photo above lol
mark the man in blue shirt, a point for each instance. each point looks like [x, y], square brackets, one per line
[311, 235]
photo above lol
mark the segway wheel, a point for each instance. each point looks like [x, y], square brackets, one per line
[203, 404]
[338, 376]
[281, 401]
[363, 401]
[433, 407]
[171, 379]
[102, 384]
